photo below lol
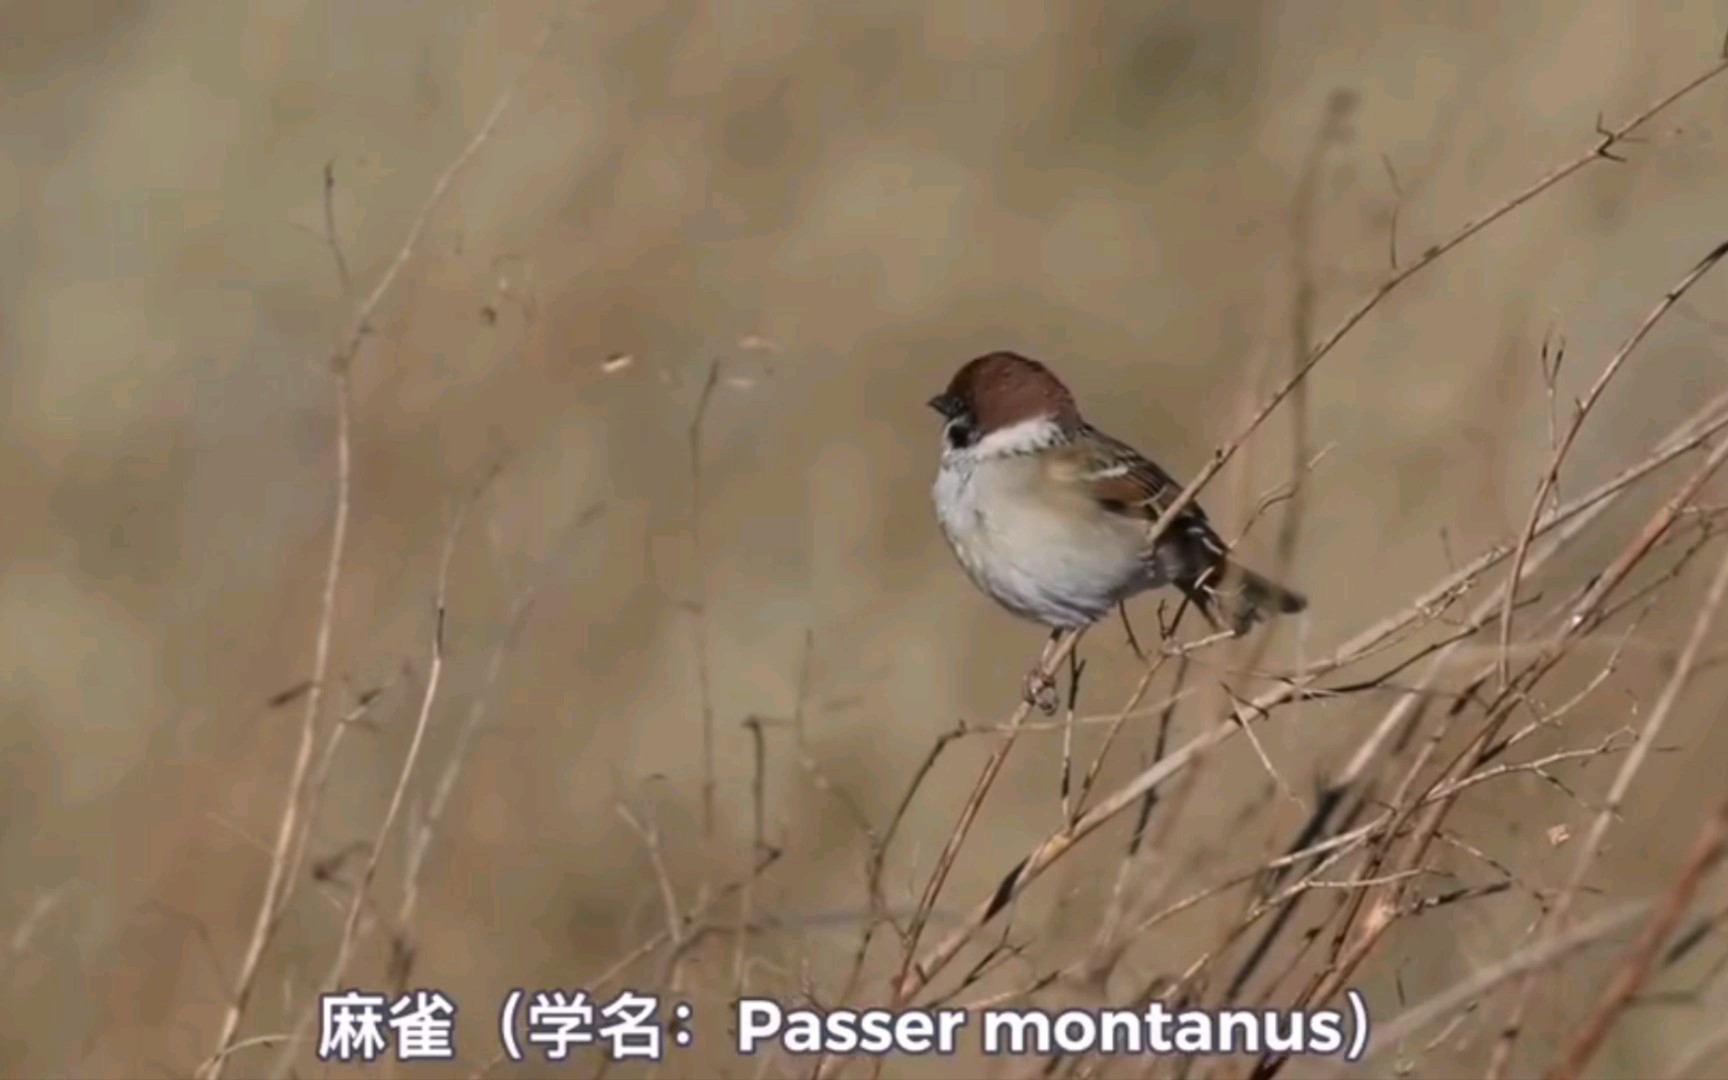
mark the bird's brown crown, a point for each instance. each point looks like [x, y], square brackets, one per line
[1003, 388]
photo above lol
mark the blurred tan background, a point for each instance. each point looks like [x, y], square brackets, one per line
[837, 204]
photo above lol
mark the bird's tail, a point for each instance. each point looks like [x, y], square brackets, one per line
[1235, 597]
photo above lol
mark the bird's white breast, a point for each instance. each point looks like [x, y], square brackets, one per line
[1040, 550]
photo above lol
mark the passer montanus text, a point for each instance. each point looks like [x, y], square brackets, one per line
[1052, 517]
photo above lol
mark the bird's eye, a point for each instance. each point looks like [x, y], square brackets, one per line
[960, 433]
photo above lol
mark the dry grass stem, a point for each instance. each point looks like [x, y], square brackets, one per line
[699, 298]
[296, 810]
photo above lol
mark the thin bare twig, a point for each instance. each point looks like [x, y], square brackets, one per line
[910, 978]
[273, 905]
[1058, 845]
[704, 678]
[1551, 475]
[446, 785]
[422, 722]
[1533, 958]
[1706, 852]
[1555, 918]
[1334, 132]
[747, 899]
[1356, 938]
[295, 812]
[649, 831]
[18, 941]
[1600, 151]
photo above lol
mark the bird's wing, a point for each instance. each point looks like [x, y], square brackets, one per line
[1123, 481]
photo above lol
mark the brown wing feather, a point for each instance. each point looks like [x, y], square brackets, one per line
[1191, 556]
[1140, 489]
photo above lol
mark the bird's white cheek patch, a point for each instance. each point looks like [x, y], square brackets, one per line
[1022, 438]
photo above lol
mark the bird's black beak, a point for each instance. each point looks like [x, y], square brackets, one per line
[946, 404]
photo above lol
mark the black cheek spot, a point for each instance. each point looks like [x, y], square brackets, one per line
[960, 434]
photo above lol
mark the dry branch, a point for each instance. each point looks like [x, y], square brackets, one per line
[1551, 475]
[297, 811]
[1706, 852]
[1601, 151]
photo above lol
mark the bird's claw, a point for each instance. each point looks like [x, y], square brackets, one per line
[1040, 690]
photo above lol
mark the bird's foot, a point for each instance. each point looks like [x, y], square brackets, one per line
[1040, 690]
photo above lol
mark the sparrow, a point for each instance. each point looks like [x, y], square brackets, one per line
[1053, 518]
